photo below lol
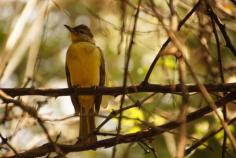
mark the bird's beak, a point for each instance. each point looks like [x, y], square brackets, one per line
[69, 28]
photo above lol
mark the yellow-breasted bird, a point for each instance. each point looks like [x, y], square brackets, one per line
[85, 68]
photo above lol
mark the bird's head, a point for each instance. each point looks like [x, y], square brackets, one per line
[80, 33]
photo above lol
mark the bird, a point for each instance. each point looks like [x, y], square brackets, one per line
[85, 67]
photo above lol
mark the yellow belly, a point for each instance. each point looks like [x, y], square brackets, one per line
[83, 61]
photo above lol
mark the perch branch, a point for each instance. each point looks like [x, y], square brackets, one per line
[134, 137]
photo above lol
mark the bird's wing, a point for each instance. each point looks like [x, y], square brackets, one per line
[98, 98]
[74, 98]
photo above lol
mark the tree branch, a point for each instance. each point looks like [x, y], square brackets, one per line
[114, 91]
[134, 137]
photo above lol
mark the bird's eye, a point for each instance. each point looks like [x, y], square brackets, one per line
[81, 31]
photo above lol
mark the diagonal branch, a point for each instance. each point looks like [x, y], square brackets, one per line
[223, 31]
[134, 137]
[205, 138]
[181, 23]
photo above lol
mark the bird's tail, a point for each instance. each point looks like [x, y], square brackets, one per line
[87, 126]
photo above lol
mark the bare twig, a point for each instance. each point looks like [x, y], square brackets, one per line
[60, 8]
[181, 23]
[205, 138]
[148, 149]
[126, 68]
[5, 141]
[220, 67]
[158, 88]
[222, 28]
[122, 30]
[116, 112]
[32, 112]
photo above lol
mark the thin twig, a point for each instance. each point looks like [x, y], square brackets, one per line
[149, 148]
[32, 112]
[5, 141]
[222, 28]
[122, 30]
[181, 23]
[126, 68]
[205, 138]
[116, 112]
[220, 67]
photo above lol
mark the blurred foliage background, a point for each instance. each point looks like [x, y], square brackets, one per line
[33, 45]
